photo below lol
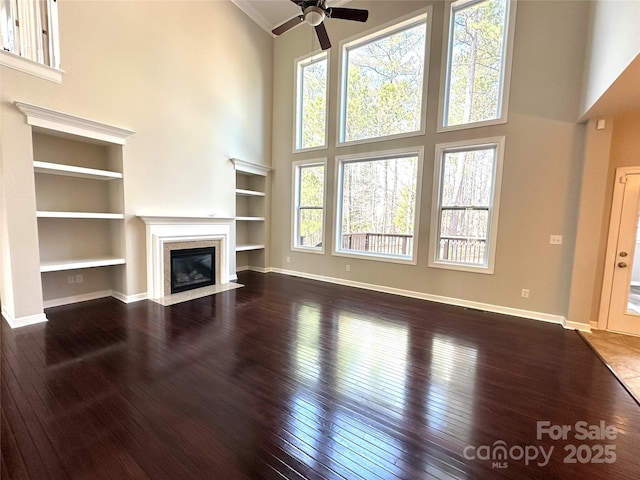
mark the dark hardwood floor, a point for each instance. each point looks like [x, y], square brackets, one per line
[291, 378]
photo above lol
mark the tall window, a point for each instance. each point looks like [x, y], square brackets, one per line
[378, 196]
[311, 105]
[466, 198]
[29, 28]
[383, 78]
[478, 62]
[308, 227]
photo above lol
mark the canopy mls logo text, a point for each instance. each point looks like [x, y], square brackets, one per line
[500, 453]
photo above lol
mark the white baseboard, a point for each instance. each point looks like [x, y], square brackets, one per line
[515, 312]
[583, 327]
[129, 298]
[23, 321]
[254, 269]
[56, 302]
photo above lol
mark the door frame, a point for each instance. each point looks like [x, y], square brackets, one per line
[612, 243]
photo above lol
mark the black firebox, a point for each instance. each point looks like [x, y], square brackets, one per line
[192, 268]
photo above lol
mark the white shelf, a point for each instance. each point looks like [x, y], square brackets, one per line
[250, 219]
[97, 215]
[58, 266]
[73, 171]
[249, 193]
[246, 248]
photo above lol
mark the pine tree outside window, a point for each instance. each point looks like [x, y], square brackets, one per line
[478, 63]
[312, 74]
[383, 80]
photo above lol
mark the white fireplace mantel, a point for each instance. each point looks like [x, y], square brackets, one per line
[167, 229]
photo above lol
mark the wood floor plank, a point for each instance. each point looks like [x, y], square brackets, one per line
[288, 378]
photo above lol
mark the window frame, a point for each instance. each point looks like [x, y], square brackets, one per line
[296, 166]
[370, 36]
[337, 251]
[494, 208]
[299, 64]
[51, 71]
[507, 60]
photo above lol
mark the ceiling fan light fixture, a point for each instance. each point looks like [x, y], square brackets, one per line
[313, 15]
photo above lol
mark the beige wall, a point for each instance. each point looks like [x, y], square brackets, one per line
[193, 79]
[542, 165]
[612, 44]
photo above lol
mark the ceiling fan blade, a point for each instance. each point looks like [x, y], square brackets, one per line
[323, 36]
[355, 14]
[288, 25]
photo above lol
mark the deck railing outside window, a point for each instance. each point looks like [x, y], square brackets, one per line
[388, 243]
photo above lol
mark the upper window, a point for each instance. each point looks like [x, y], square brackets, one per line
[311, 104]
[378, 198]
[29, 30]
[478, 63]
[383, 80]
[309, 185]
[466, 195]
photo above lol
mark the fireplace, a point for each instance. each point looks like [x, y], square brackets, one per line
[166, 235]
[192, 268]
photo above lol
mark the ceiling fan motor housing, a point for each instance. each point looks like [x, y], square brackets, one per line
[314, 15]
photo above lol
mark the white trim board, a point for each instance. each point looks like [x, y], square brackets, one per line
[23, 321]
[514, 312]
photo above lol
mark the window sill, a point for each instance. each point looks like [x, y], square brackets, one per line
[375, 257]
[460, 267]
[386, 138]
[25, 65]
[467, 126]
[318, 251]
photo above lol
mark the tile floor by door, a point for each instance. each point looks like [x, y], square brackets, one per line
[621, 353]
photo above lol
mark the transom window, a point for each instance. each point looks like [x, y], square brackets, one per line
[311, 102]
[478, 62]
[465, 204]
[29, 29]
[378, 198]
[309, 192]
[383, 80]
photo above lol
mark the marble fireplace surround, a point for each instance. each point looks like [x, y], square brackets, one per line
[165, 234]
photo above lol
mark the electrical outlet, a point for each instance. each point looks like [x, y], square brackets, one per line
[348, 268]
[525, 293]
[79, 278]
[555, 240]
[71, 279]
[288, 259]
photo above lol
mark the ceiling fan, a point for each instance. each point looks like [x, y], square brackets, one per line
[314, 12]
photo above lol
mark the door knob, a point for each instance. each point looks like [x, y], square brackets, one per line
[622, 265]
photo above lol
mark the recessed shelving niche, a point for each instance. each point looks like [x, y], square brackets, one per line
[251, 214]
[78, 167]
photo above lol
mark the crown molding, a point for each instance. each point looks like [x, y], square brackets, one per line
[62, 122]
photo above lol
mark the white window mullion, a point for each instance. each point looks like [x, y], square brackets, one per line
[52, 30]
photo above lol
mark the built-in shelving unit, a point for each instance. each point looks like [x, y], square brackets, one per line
[78, 173]
[251, 214]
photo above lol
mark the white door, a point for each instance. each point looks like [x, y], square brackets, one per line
[624, 307]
